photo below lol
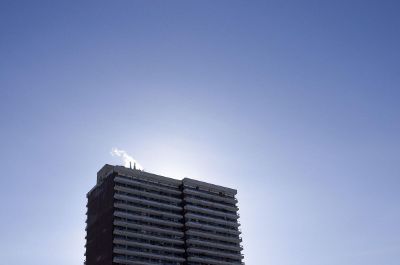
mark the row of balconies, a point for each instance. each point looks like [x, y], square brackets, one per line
[197, 197]
[125, 261]
[218, 192]
[167, 232]
[149, 255]
[158, 196]
[135, 183]
[147, 202]
[217, 255]
[211, 197]
[199, 241]
[209, 261]
[211, 205]
[207, 243]
[195, 245]
[147, 219]
[211, 229]
[147, 236]
[221, 238]
[202, 221]
[153, 179]
[212, 221]
[147, 246]
[192, 242]
[154, 187]
[212, 213]
[161, 214]
[148, 199]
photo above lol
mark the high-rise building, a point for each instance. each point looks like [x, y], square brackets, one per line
[138, 218]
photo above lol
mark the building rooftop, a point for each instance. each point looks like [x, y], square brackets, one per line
[107, 170]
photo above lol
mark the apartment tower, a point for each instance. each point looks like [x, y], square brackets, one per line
[138, 218]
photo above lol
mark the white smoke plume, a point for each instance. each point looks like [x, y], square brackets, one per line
[126, 158]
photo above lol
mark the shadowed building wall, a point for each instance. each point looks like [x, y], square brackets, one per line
[139, 218]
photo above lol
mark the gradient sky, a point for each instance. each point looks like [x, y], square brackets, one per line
[294, 103]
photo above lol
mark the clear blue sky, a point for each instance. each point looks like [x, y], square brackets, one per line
[294, 103]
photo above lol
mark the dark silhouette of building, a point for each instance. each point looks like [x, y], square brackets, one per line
[138, 218]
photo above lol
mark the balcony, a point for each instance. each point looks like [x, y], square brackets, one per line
[148, 219]
[125, 206]
[211, 220]
[148, 246]
[212, 197]
[213, 253]
[147, 194]
[131, 234]
[148, 228]
[154, 187]
[211, 228]
[213, 236]
[213, 245]
[212, 261]
[118, 260]
[149, 255]
[210, 212]
[215, 205]
[147, 202]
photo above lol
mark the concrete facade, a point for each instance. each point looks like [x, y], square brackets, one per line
[138, 218]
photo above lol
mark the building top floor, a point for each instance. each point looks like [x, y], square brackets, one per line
[108, 170]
